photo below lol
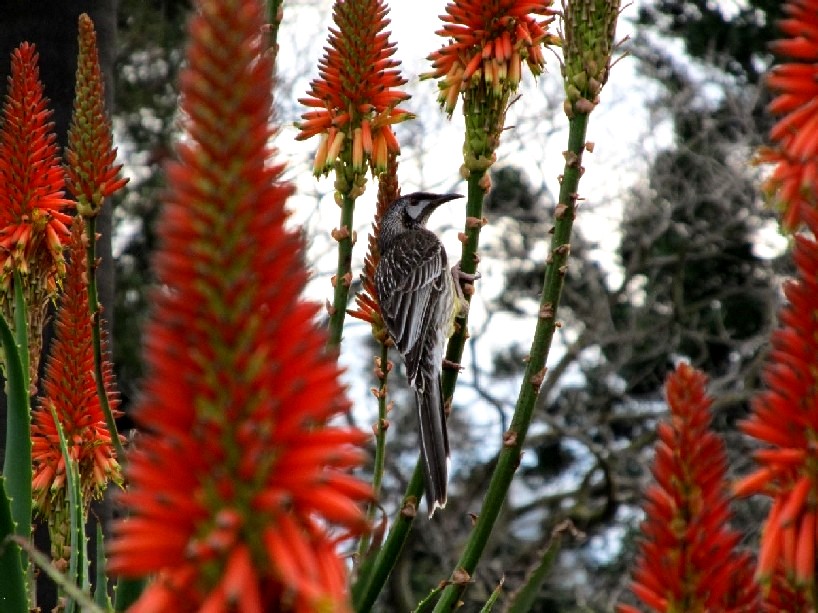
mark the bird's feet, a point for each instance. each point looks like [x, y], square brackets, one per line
[459, 277]
[449, 365]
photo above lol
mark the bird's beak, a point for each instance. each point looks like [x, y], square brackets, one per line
[444, 198]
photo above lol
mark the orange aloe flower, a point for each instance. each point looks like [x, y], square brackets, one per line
[793, 184]
[91, 173]
[34, 216]
[687, 560]
[785, 418]
[488, 42]
[239, 489]
[69, 387]
[356, 95]
[366, 300]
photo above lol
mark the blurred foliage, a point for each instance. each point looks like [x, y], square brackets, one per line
[149, 54]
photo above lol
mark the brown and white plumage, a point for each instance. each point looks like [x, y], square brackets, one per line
[416, 295]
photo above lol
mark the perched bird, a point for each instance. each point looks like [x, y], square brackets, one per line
[419, 301]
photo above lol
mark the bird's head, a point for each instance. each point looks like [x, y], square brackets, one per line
[410, 212]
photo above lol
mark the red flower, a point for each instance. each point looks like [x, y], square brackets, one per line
[90, 156]
[239, 488]
[33, 213]
[688, 560]
[785, 418]
[366, 300]
[793, 184]
[488, 42]
[69, 387]
[356, 96]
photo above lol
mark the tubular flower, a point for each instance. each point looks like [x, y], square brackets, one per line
[785, 418]
[355, 97]
[588, 44]
[687, 560]
[366, 300]
[793, 183]
[69, 387]
[91, 173]
[488, 42]
[34, 215]
[240, 387]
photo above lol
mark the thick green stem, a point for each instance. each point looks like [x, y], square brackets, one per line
[343, 274]
[509, 457]
[275, 13]
[380, 446]
[468, 264]
[96, 335]
[393, 545]
[375, 579]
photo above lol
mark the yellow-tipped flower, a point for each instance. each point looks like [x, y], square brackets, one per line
[488, 43]
[355, 97]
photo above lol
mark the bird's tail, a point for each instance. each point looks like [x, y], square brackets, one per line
[434, 442]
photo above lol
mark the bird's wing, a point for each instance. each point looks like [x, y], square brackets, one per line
[410, 283]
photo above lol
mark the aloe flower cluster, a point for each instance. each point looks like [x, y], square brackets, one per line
[34, 215]
[687, 560]
[240, 387]
[793, 184]
[69, 388]
[489, 41]
[588, 45]
[785, 420]
[91, 172]
[356, 95]
[366, 300]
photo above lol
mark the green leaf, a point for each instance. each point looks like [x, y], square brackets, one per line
[128, 592]
[78, 562]
[64, 582]
[17, 461]
[101, 591]
[21, 327]
[524, 599]
[12, 584]
[494, 596]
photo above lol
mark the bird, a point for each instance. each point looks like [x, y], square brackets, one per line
[419, 300]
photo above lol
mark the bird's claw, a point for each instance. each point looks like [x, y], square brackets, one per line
[449, 365]
[459, 275]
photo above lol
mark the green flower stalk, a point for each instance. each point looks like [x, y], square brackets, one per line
[482, 61]
[582, 48]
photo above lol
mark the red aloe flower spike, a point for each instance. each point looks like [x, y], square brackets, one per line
[239, 382]
[34, 215]
[91, 173]
[488, 41]
[69, 387]
[785, 418]
[367, 300]
[688, 560]
[356, 94]
[793, 184]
